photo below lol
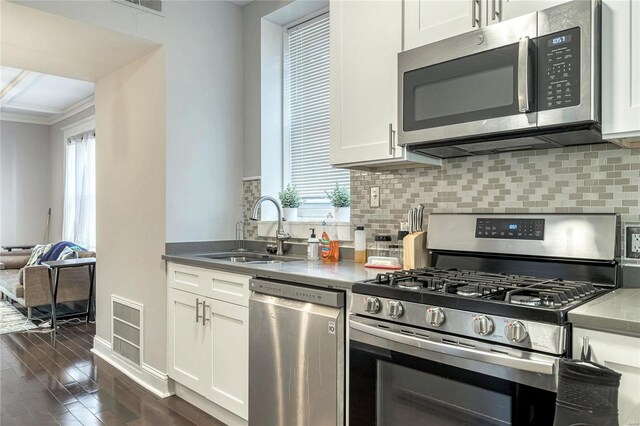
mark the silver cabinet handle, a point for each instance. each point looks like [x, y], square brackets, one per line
[205, 317]
[524, 76]
[495, 13]
[475, 21]
[392, 140]
[198, 309]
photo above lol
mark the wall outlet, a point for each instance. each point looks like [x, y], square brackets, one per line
[633, 242]
[374, 201]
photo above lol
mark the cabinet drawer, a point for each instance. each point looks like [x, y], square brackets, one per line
[186, 278]
[219, 285]
[228, 287]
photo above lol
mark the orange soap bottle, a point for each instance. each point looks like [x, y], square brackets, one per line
[329, 246]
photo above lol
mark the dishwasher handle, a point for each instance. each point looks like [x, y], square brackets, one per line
[299, 292]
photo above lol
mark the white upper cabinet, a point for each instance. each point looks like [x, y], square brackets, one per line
[502, 10]
[366, 37]
[621, 72]
[427, 21]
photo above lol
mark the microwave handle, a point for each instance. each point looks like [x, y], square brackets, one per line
[524, 76]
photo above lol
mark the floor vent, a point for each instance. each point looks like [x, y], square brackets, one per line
[126, 326]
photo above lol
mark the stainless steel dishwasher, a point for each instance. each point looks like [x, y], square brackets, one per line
[296, 355]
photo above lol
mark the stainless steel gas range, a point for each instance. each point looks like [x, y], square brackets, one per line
[476, 337]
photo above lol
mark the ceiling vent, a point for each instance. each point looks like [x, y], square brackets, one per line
[149, 5]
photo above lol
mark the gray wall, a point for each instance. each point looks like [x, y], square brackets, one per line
[204, 126]
[56, 136]
[25, 157]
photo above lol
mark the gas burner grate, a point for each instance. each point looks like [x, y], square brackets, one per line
[513, 289]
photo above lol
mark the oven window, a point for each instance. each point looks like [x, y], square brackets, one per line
[489, 89]
[476, 87]
[407, 396]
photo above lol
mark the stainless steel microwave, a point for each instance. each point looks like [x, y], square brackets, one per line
[527, 83]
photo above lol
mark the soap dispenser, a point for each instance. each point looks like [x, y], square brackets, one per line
[313, 246]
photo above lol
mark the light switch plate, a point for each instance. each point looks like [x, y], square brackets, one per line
[374, 200]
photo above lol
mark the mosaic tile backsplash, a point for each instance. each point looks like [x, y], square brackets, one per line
[585, 179]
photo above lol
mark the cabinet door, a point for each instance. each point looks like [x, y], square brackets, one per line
[186, 340]
[622, 354]
[621, 71]
[502, 10]
[426, 21]
[228, 342]
[366, 37]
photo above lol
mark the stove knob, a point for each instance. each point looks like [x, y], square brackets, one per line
[515, 331]
[482, 325]
[435, 316]
[372, 305]
[395, 309]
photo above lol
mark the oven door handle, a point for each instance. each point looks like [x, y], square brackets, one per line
[524, 76]
[546, 367]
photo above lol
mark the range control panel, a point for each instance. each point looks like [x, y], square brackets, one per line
[559, 70]
[510, 229]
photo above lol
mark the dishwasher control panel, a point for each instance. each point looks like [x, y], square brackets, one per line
[298, 292]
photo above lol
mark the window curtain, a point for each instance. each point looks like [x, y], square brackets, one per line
[79, 216]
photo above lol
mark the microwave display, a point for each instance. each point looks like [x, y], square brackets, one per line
[559, 70]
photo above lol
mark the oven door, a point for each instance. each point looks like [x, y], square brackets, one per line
[473, 84]
[399, 376]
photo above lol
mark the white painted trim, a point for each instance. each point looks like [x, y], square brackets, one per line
[250, 178]
[211, 408]
[78, 127]
[300, 229]
[74, 109]
[148, 377]
[24, 118]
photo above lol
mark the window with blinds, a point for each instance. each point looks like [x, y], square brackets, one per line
[306, 112]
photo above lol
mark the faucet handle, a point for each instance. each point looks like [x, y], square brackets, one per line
[282, 235]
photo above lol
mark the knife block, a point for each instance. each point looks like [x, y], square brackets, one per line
[415, 250]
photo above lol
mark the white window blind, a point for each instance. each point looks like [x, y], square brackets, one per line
[307, 110]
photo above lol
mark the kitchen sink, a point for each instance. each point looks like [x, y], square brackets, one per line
[250, 258]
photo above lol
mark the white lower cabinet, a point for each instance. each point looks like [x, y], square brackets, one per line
[228, 344]
[622, 354]
[208, 346]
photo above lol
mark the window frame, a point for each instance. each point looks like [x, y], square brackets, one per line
[317, 207]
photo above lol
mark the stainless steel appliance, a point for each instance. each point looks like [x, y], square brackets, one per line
[476, 337]
[526, 83]
[296, 355]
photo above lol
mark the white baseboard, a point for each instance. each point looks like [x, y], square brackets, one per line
[214, 410]
[146, 376]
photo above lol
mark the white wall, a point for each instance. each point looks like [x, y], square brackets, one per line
[130, 188]
[203, 49]
[57, 146]
[25, 169]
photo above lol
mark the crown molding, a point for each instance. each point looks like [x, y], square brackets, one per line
[48, 121]
[74, 109]
[24, 118]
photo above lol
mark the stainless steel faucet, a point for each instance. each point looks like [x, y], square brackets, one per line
[281, 236]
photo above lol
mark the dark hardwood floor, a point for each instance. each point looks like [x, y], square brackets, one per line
[43, 381]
